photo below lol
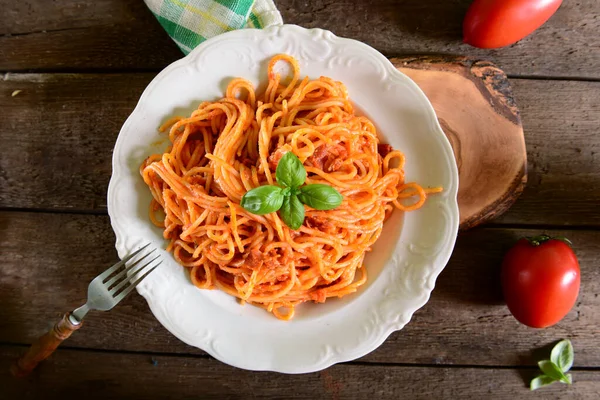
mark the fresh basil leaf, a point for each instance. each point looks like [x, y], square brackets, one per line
[290, 172]
[540, 381]
[562, 355]
[569, 379]
[262, 200]
[552, 370]
[292, 212]
[320, 197]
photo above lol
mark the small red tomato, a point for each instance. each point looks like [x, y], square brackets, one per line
[497, 23]
[540, 280]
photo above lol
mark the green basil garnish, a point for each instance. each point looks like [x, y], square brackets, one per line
[292, 212]
[263, 200]
[320, 197]
[290, 172]
[290, 198]
[555, 369]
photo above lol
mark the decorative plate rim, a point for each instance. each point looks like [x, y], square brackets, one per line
[379, 329]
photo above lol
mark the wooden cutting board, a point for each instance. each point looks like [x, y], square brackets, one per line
[475, 107]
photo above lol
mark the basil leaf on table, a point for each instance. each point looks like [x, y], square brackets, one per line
[320, 196]
[290, 172]
[540, 381]
[569, 379]
[263, 199]
[562, 355]
[292, 212]
[552, 370]
[561, 360]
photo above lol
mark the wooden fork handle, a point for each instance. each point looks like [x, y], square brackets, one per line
[44, 346]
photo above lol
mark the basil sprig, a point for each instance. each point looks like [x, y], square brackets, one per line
[290, 172]
[320, 197]
[555, 369]
[292, 212]
[289, 198]
[263, 200]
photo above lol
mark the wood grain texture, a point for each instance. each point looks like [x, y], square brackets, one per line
[58, 134]
[561, 122]
[122, 34]
[82, 34]
[465, 322]
[62, 128]
[144, 376]
[474, 104]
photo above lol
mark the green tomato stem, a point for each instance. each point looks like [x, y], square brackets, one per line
[538, 240]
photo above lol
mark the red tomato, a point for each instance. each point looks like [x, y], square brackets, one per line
[540, 280]
[497, 23]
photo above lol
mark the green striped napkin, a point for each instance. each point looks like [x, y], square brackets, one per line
[190, 22]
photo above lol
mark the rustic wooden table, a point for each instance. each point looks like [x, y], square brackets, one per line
[81, 65]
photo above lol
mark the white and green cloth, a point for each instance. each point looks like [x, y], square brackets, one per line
[190, 22]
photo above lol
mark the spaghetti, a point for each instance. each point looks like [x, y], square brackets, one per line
[228, 147]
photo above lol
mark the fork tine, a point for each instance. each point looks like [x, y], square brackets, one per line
[127, 268]
[125, 292]
[130, 278]
[112, 269]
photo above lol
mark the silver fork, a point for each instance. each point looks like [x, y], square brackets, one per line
[104, 292]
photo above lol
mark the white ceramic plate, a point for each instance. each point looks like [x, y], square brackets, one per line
[405, 261]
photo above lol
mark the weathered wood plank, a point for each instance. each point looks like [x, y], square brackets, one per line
[561, 122]
[433, 26]
[99, 375]
[82, 34]
[118, 34]
[23, 17]
[467, 313]
[62, 127]
[49, 258]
